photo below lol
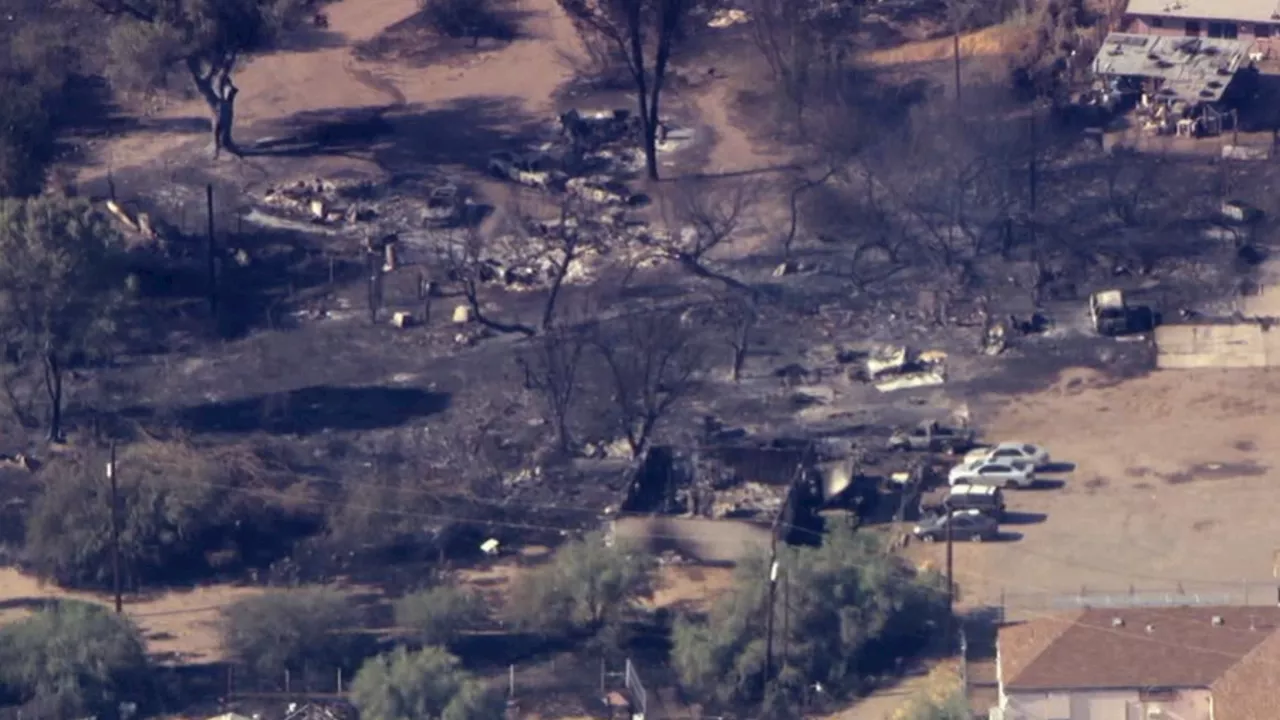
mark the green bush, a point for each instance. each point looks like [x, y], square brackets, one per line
[588, 586]
[438, 615]
[74, 660]
[430, 683]
[173, 503]
[849, 607]
[310, 632]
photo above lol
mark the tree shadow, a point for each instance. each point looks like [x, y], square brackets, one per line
[406, 138]
[308, 38]
[310, 410]
[427, 38]
[463, 132]
[332, 131]
[33, 604]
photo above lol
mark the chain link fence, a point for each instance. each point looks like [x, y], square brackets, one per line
[1015, 606]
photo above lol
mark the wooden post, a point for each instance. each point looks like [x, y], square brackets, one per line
[212, 262]
[115, 530]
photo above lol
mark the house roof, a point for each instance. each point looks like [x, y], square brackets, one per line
[1193, 69]
[1165, 647]
[1260, 11]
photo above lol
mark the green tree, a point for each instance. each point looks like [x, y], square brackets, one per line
[61, 286]
[171, 496]
[203, 39]
[588, 586]
[38, 59]
[844, 605]
[428, 684]
[73, 660]
[311, 631]
[438, 615]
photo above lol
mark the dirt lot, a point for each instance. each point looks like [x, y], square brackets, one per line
[1172, 486]
[179, 626]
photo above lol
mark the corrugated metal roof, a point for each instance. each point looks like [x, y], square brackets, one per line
[1260, 11]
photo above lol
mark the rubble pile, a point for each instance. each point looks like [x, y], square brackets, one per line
[748, 498]
[593, 151]
[356, 203]
[896, 367]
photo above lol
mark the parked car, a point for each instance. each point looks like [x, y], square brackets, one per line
[1000, 473]
[965, 525]
[986, 499]
[1025, 452]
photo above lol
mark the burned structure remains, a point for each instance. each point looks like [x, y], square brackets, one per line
[1185, 86]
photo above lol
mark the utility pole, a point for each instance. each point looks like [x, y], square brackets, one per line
[1032, 169]
[955, 45]
[212, 260]
[115, 528]
[768, 643]
[964, 662]
[787, 505]
[951, 579]
[786, 617]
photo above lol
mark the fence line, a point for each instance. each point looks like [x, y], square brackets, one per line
[1026, 605]
[636, 688]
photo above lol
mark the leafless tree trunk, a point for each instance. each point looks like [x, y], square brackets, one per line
[53, 386]
[654, 362]
[741, 314]
[467, 268]
[701, 216]
[644, 33]
[551, 370]
[805, 44]
[213, 83]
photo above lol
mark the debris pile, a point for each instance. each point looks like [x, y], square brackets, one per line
[895, 367]
[139, 225]
[354, 204]
[590, 155]
[746, 499]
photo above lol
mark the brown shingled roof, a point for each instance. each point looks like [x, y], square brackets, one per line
[1184, 648]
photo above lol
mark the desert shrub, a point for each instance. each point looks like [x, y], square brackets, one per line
[438, 615]
[854, 608]
[74, 660]
[941, 698]
[176, 506]
[37, 65]
[588, 586]
[429, 683]
[309, 632]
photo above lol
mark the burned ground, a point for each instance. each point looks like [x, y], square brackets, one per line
[406, 444]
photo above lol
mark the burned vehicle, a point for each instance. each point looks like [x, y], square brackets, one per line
[1112, 315]
[933, 436]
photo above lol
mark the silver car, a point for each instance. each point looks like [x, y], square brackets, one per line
[1026, 452]
[1000, 473]
[965, 525]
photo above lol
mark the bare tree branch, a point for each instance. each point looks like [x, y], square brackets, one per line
[701, 216]
[654, 361]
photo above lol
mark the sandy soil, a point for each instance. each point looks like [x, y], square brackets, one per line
[1174, 486]
[678, 586]
[279, 85]
[179, 626]
[987, 42]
